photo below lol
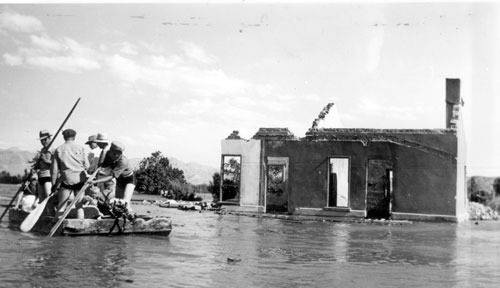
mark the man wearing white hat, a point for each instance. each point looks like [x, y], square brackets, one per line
[102, 142]
[108, 187]
[94, 153]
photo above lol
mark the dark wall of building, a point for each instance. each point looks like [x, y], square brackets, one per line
[424, 181]
[308, 171]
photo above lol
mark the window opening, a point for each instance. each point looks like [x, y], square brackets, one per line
[231, 178]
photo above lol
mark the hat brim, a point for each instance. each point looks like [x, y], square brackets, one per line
[43, 137]
[101, 141]
[88, 142]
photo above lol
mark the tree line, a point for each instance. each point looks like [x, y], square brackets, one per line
[156, 175]
[6, 178]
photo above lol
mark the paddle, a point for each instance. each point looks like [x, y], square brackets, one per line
[75, 200]
[32, 218]
[35, 214]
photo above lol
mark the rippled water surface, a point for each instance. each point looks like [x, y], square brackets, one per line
[268, 253]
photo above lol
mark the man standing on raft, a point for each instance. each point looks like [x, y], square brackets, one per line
[70, 162]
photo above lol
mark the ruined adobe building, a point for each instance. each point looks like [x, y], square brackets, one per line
[413, 174]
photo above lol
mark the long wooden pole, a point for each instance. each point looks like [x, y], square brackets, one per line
[62, 125]
[73, 202]
[46, 148]
[23, 186]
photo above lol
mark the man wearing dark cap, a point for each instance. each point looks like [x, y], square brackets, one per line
[121, 171]
[70, 162]
[42, 164]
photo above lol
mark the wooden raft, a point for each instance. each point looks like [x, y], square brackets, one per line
[74, 227]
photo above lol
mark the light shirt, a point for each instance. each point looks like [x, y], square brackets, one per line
[71, 161]
[120, 167]
[103, 153]
[94, 158]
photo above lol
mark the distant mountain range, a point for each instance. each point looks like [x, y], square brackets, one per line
[15, 161]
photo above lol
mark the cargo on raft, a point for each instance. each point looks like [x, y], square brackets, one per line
[94, 225]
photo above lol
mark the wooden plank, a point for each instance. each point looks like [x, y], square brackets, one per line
[76, 227]
[159, 225]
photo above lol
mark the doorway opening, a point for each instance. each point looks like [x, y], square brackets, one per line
[338, 182]
[379, 189]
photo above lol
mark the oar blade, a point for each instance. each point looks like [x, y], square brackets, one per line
[33, 217]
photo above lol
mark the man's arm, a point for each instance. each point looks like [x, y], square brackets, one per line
[46, 157]
[103, 179]
[54, 168]
[86, 162]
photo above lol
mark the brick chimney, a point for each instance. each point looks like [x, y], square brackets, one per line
[452, 102]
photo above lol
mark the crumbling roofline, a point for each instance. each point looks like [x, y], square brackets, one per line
[366, 138]
[329, 131]
[420, 147]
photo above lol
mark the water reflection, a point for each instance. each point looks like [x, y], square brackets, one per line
[478, 253]
[420, 244]
[326, 252]
[96, 261]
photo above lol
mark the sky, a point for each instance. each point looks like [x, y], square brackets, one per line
[180, 77]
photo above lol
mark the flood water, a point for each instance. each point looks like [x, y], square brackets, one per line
[271, 253]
